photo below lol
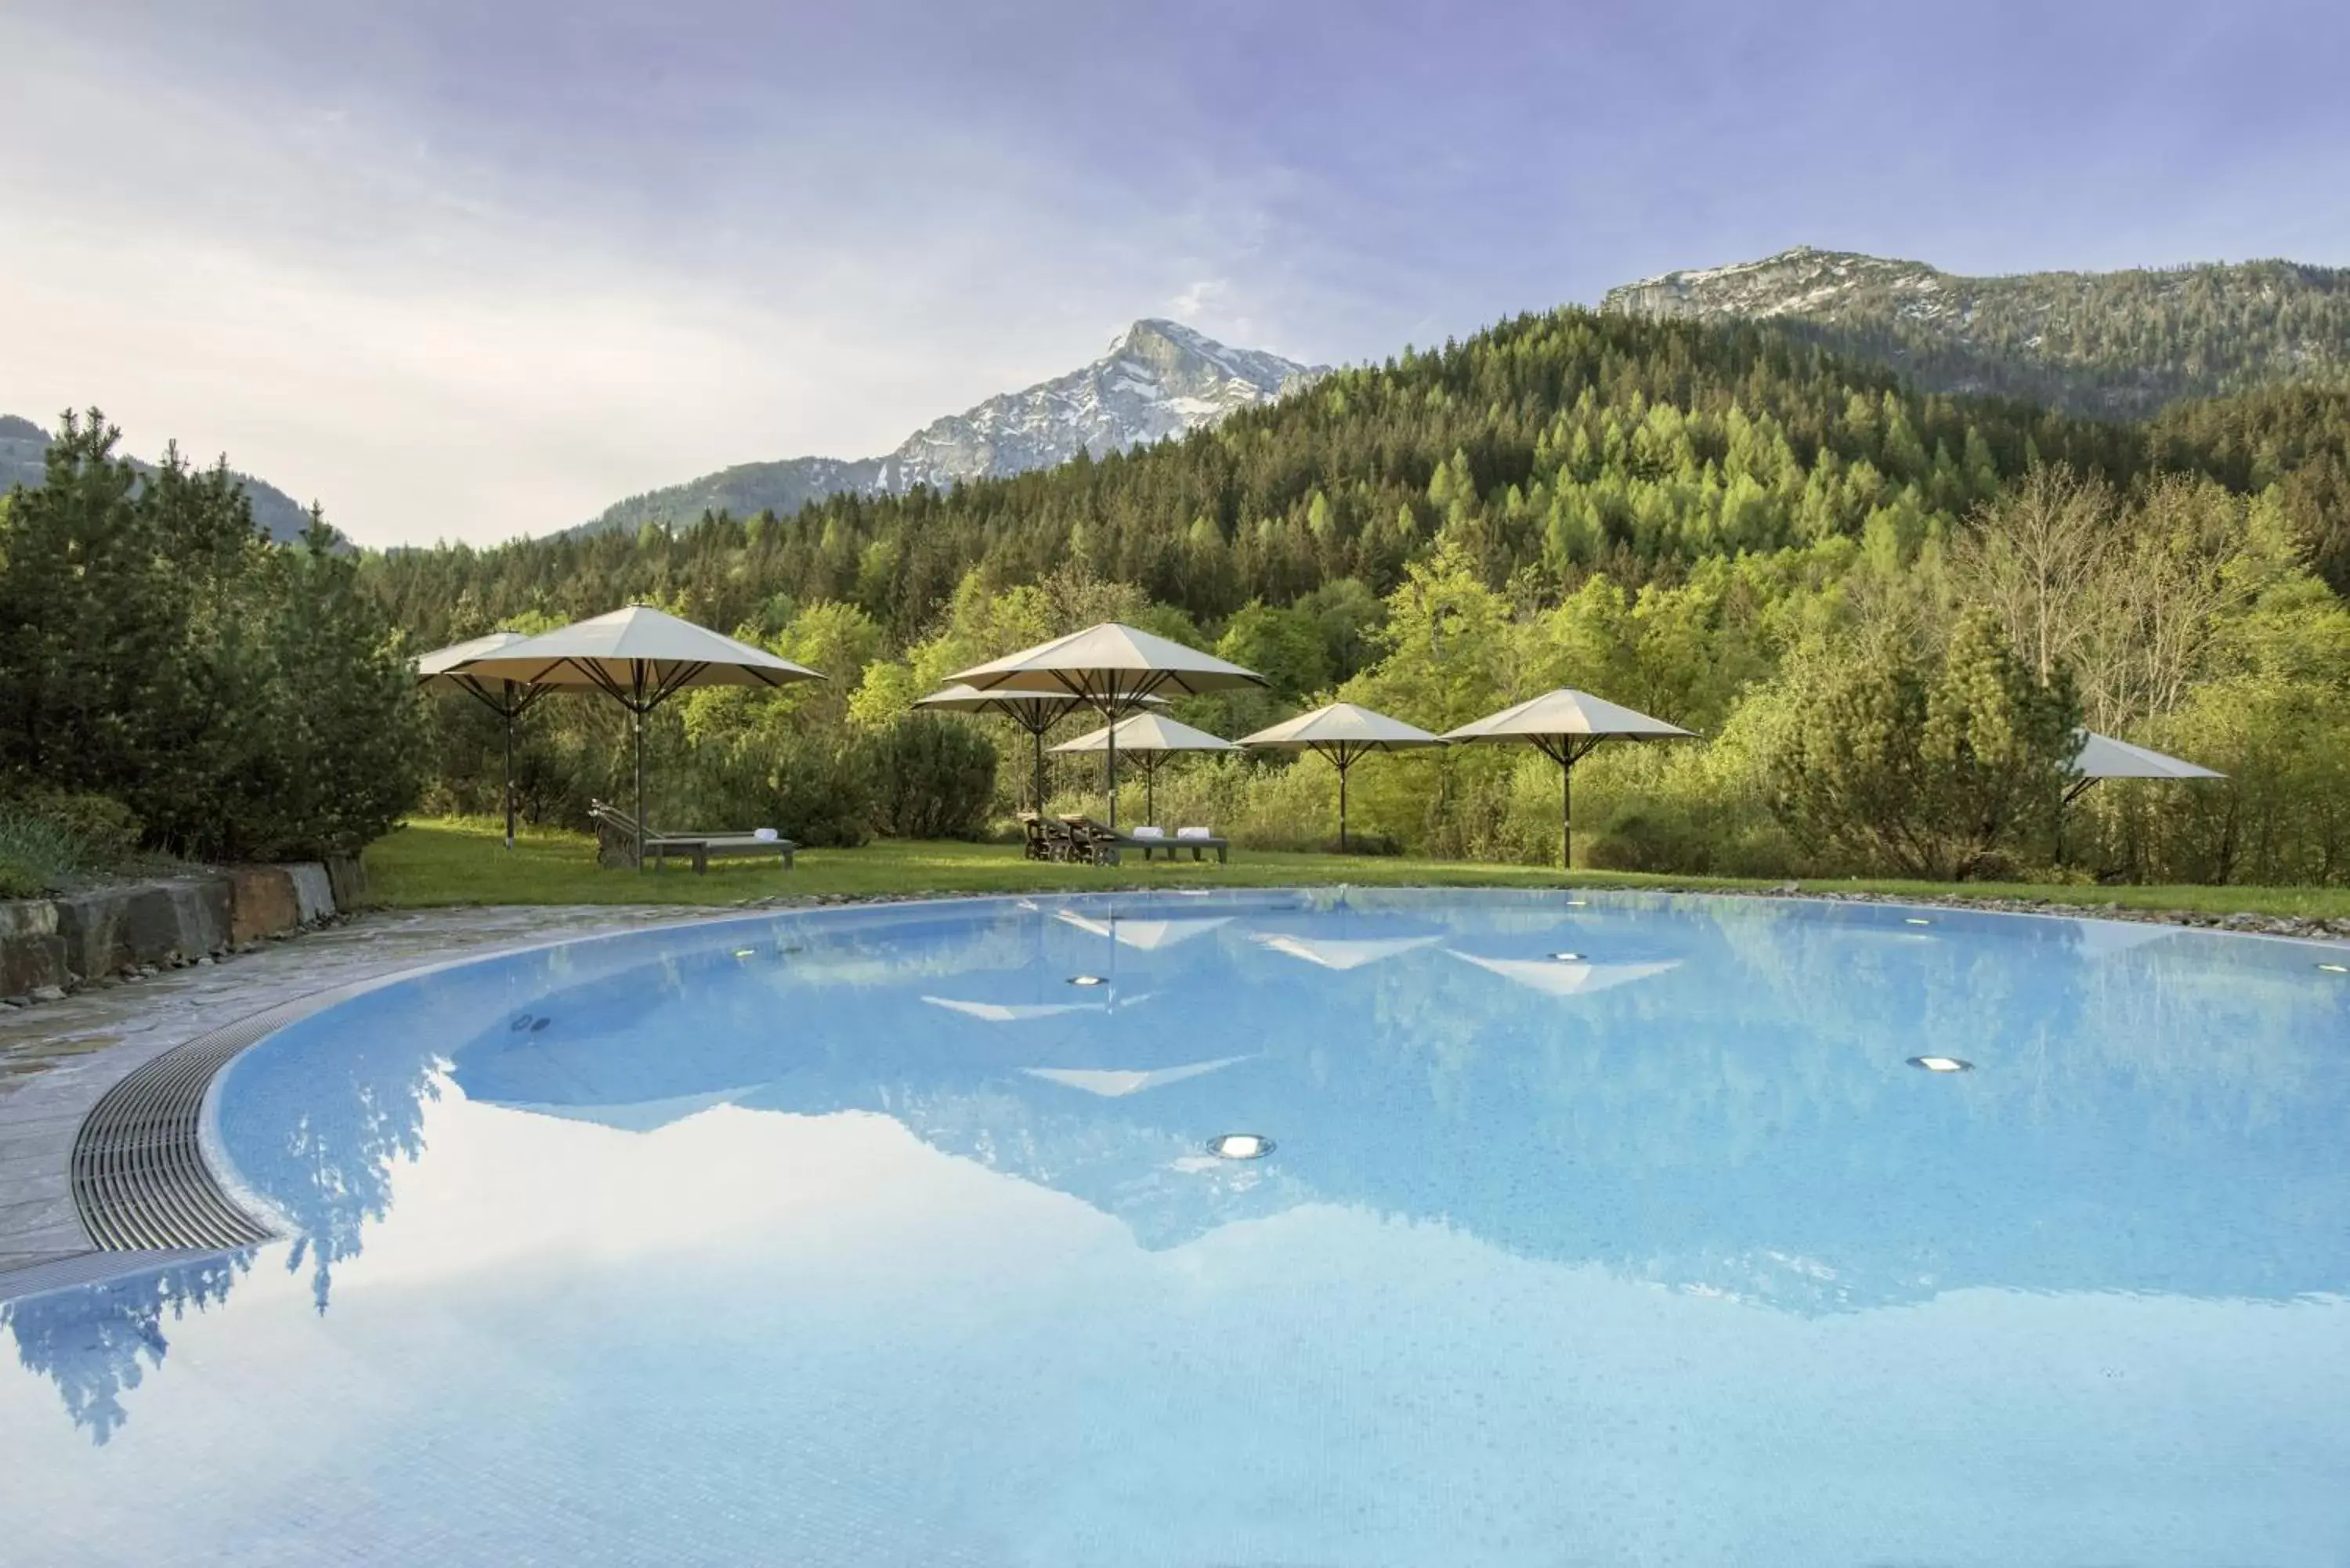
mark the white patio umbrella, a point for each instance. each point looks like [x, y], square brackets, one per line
[2102, 757]
[640, 657]
[1149, 739]
[1034, 712]
[1111, 668]
[1344, 732]
[509, 700]
[1564, 725]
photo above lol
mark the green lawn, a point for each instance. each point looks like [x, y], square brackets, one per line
[461, 862]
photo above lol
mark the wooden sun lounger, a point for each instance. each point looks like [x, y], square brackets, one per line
[700, 848]
[1107, 844]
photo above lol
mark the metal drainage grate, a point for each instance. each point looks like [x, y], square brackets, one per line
[139, 1179]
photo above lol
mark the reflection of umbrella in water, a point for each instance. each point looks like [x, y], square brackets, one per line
[1113, 1084]
[1558, 977]
[1149, 935]
[1342, 953]
[1020, 1011]
[2103, 939]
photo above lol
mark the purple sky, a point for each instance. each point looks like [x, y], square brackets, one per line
[480, 269]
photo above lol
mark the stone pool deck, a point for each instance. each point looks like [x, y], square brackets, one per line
[57, 1058]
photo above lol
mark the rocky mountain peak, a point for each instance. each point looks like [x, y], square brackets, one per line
[1158, 378]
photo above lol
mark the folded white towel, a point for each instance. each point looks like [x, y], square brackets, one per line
[764, 835]
[1149, 833]
[1193, 833]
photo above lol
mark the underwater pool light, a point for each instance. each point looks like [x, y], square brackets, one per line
[2335, 968]
[746, 953]
[1568, 957]
[1942, 1063]
[1916, 920]
[1240, 1146]
[1087, 979]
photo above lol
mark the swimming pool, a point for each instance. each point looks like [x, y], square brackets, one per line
[1592, 1229]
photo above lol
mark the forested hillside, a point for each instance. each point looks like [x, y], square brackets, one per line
[2116, 345]
[1725, 526]
[1554, 444]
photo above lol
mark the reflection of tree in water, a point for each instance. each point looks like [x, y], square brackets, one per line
[96, 1342]
[333, 1173]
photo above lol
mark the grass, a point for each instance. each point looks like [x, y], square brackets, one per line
[459, 861]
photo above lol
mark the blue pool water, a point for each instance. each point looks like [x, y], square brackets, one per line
[864, 1237]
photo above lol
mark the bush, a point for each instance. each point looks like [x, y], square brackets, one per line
[935, 778]
[814, 789]
[37, 853]
[104, 828]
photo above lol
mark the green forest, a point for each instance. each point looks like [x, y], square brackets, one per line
[1785, 550]
[1883, 610]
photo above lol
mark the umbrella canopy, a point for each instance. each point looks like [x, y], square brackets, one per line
[1564, 725]
[2103, 757]
[1343, 732]
[1112, 668]
[509, 700]
[1034, 712]
[1148, 738]
[1108, 664]
[640, 657]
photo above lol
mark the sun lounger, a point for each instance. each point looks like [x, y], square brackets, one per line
[1103, 844]
[616, 831]
[1196, 840]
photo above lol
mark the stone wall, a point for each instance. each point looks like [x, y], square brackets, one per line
[50, 945]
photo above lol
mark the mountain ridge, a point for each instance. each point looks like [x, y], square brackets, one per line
[23, 446]
[1158, 378]
[2109, 345]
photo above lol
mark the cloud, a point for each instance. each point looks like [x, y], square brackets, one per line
[1196, 298]
[353, 302]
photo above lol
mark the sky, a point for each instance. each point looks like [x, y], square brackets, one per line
[466, 271]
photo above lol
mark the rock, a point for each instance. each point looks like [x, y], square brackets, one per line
[347, 880]
[314, 894]
[261, 902]
[48, 993]
[116, 928]
[31, 951]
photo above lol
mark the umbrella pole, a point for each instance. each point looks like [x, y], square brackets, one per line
[1341, 758]
[1111, 764]
[1566, 811]
[1038, 734]
[640, 713]
[511, 710]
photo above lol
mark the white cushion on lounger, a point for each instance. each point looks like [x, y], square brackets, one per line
[763, 834]
[1193, 833]
[1147, 833]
